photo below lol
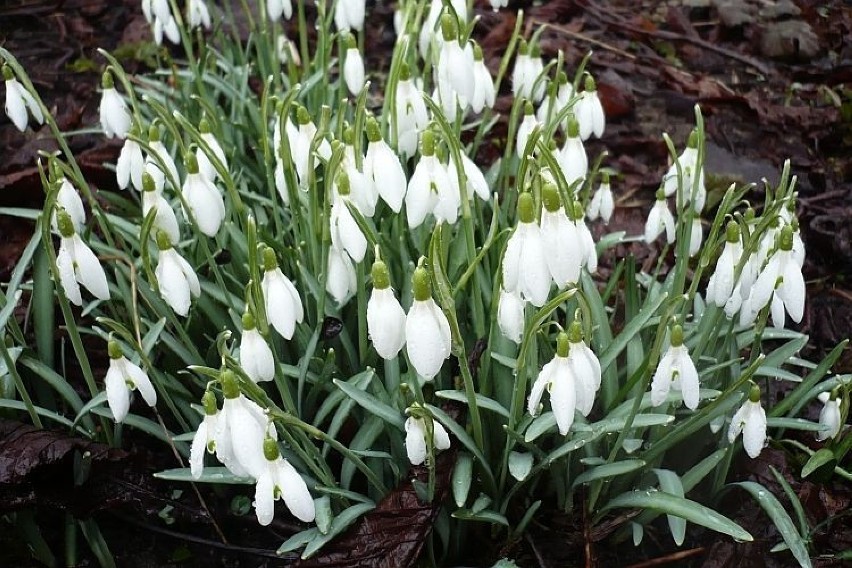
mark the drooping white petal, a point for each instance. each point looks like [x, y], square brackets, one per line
[510, 315]
[793, 288]
[688, 380]
[115, 118]
[563, 397]
[205, 202]
[829, 417]
[15, 106]
[140, 381]
[283, 304]
[441, 437]
[415, 440]
[353, 70]
[541, 383]
[345, 232]
[754, 431]
[200, 445]
[65, 264]
[385, 323]
[172, 282]
[264, 497]
[383, 168]
[341, 279]
[88, 270]
[562, 242]
[256, 356]
[662, 381]
[118, 395]
[294, 491]
[247, 436]
[427, 338]
[68, 199]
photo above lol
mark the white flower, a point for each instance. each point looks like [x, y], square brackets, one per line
[341, 280]
[301, 139]
[586, 367]
[353, 68]
[528, 67]
[167, 26]
[198, 14]
[156, 9]
[345, 232]
[454, 79]
[383, 169]
[204, 440]
[349, 14]
[428, 33]
[157, 159]
[483, 85]
[77, 264]
[385, 316]
[123, 377]
[602, 203]
[176, 279]
[528, 124]
[205, 166]
[720, 288]
[829, 416]
[164, 219]
[525, 267]
[560, 238]
[473, 176]
[130, 165]
[559, 378]
[241, 429]
[283, 305]
[782, 282]
[18, 99]
[696, 237]
[430, 189]
[660, 219]
[115, 118]
[410, 115]
[275, 8]
[589, 111]
[279, 479]
[559, 95]
[415, 438]
[497, 4]
[688, 161]
[750, 419]
[255, 355]
[427, 331]
[676, 370]
[510, 315]
[204, 201]
[572, 159]
[69, 200]
[587, 242]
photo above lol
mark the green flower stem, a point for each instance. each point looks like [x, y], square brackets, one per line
[19, 385]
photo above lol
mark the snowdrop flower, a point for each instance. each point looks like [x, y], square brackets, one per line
[341, 281]
[829, 416]
[696, 237]
[528, 67]
[353, 64]
[68, 199]
[525, 267]
[417, 438]
[559, 95]
[589, 111]
[427, 331]
[345, 232]
[167, 27]
[560, 239]
[275, 8]
[572, 158]
[123, 377]
[78, 264]
[255, 355]
[115, 118]
[205, 166]
[241, 429]
[427, 32]
[197, 14]
[202, 199]
[483, 84]
[676, 370]
[130, 164]
[528, 124]
[781, 282]
[660, 219]
[588, 251]
[164, 219]
[510, 315]
[497, 4]
[301, 139]
[349, 14]
[720, 288]
[160, 158]
[385, 316]
[474, 178]
[688, 161]
[750, 420]
[18, 100]
[586, 367]
[281, 300]
[204, 440]
[383, 169]
[430, 189]
[410, 116]
[153, 9]
[602, 203]
[361, 191]
[454, 76]
[280, 480]
[176, 279]
[559, 378]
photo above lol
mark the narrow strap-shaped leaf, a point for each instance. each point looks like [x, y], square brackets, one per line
[372, 404]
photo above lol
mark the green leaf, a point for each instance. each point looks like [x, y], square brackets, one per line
[817, 460]
[630, 330]
[372, 404]
[492, 517]
[482, 401]
[462, 476]
[520, 464]
[340, 523]
[671, 483]
[781, 519]
[209, 475]
[686, 508]
[462, 436]
[795, 424]
[609, 470]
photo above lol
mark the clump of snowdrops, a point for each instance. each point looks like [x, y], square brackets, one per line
[327, 251]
